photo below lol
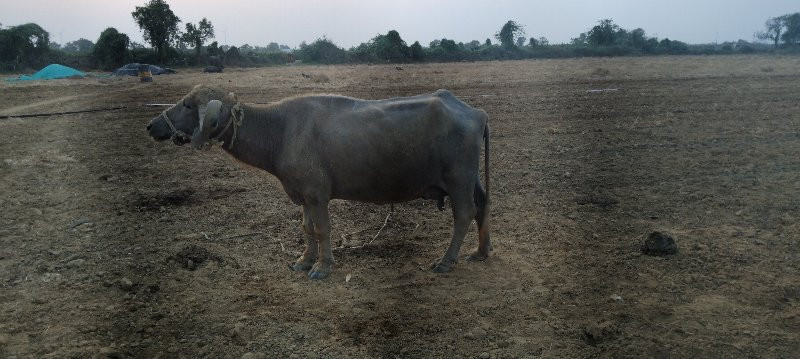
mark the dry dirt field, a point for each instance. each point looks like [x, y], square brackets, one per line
[99, 222]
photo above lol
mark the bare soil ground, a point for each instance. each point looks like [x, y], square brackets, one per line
[99, 223]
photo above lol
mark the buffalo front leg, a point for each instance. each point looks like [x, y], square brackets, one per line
[322, 234]
[306, 261]
[463, 212]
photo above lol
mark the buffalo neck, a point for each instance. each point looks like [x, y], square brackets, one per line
[259, 140]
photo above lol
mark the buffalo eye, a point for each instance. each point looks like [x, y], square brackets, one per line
[186, 105]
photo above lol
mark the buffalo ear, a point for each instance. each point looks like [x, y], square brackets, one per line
[209, 120]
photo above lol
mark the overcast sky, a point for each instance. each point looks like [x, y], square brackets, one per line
[350, 22]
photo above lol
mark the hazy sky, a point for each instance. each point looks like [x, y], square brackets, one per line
[350, 22]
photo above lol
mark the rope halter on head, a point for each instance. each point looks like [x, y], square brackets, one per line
[176, 133]
[237, 116]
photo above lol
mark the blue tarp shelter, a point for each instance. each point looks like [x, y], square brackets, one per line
[52, 71]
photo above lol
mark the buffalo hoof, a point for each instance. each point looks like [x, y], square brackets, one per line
[477, 256]
[443, 266]
[301, 266]
[320, 270]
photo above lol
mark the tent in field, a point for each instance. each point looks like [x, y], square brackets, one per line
[52, 71]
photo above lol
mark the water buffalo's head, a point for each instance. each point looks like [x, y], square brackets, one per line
[194, 118]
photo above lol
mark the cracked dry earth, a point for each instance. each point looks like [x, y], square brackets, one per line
[112, 245]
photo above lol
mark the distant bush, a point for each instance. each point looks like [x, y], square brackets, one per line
[322, 51]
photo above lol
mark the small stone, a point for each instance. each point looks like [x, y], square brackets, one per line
[79, 222]
[238, 331]
[540, 290]
[190, 265]
[110, 352]
[36, 211]
[484, 355]
[616, 297]
[76, 263]
[125, 284]
[38, 300]
[476, 334]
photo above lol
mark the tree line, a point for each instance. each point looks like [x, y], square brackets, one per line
[29, 45]
[782, 30]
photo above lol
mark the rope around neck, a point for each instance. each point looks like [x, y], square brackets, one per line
[236, 121]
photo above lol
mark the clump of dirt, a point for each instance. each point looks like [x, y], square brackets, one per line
[192, 256]
[154, 202]
[596, 333]
[659, 244]
[601, 72]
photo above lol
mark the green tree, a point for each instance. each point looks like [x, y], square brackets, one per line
[638, 38]
[273, 47]
[448, 45]
[159, 25]
[581, 40]
[111, 50]
[25, 45]
[773, 29]
[520, 41]
[197, 35]
[214, 50]
[543, 41]
[80, 46]
[603, 34]
[417, 53]
[510, 31]
[391, 47]
[792, 34]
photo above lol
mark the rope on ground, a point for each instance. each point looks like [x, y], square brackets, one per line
[3, 117]
[242, 235]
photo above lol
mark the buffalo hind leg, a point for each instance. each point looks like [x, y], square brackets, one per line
[482, 218]
[322, 234]
[306, 261]
[463, 212]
